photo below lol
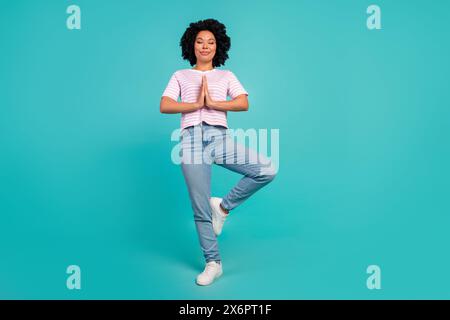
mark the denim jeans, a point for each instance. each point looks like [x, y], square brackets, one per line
[203, 145]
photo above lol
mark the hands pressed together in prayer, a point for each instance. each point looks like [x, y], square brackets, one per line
[204, 98]
[240, 103]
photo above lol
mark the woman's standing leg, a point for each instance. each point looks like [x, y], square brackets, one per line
[197, 175]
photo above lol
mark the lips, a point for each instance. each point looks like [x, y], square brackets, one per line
[204, 53]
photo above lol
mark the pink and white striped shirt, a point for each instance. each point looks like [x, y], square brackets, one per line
[187, 83]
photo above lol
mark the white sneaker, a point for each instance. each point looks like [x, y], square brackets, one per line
[212, 271]
[218, 217]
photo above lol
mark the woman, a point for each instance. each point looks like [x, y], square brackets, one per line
[204, 136]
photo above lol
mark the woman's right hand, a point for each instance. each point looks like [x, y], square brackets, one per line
[201, 96]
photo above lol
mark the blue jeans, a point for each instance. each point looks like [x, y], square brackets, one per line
[201, 146]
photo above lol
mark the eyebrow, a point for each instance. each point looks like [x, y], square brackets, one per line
[208, 39]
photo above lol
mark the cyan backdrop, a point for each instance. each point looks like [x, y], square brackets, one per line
[86, 176]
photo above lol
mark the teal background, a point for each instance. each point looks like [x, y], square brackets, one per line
[86, 176]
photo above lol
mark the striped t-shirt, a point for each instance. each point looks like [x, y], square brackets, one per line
[187, 83]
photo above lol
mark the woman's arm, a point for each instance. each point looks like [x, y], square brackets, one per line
[168, 105]
[240, 103]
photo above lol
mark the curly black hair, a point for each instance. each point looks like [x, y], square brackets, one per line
[223, 41]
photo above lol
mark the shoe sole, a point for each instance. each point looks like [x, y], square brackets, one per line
[215, 214]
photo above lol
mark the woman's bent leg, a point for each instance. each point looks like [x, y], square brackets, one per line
[258, 171]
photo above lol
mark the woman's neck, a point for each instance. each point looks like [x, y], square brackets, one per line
[203, 67]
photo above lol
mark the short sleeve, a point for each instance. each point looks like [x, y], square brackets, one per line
[235, 88]
[173, 88]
